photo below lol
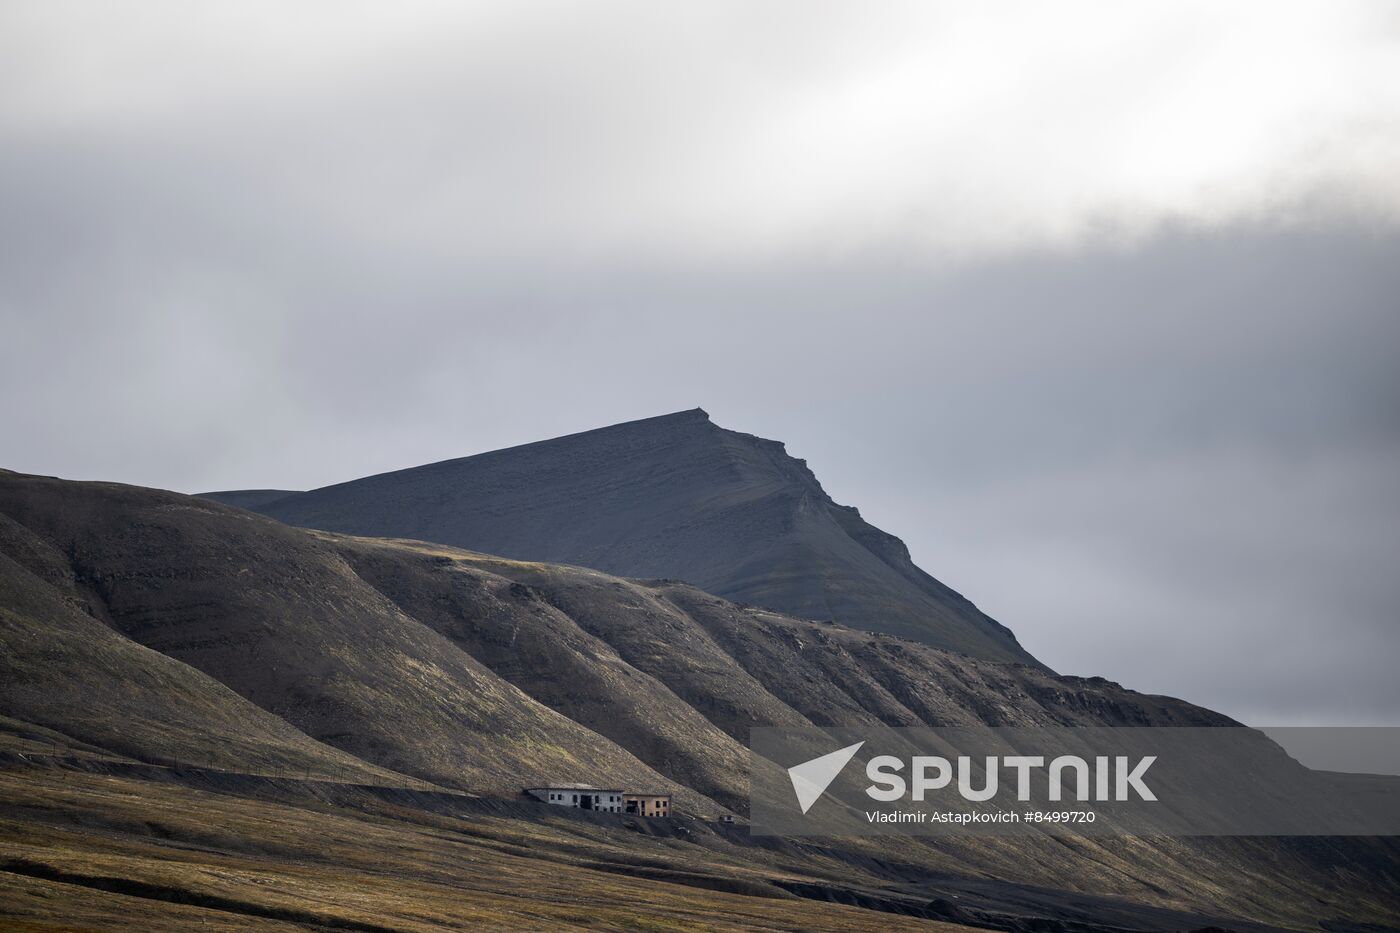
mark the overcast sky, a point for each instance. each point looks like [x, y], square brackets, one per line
[1096, 305]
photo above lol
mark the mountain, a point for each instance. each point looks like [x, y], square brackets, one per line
[280, 620]
[64, 668]
[451, 667]
[204, 706]
[250, 498]
[671, 497]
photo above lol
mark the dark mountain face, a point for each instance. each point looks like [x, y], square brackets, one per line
[674, 497]
[252, 499]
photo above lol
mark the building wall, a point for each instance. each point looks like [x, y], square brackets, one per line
[604, 801]
[652, 805]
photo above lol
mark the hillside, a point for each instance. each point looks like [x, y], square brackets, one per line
[63, 668]
[250, 498]
[672, 497]
[184, 648]
[463, 669]
[280, 619]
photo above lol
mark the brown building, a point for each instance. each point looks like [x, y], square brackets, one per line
[647, 804]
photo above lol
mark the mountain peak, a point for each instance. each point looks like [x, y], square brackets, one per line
[677, 497]
[687, 416]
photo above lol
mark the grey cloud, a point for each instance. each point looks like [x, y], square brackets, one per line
[1172, 459]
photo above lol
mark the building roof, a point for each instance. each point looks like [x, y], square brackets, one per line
[587, 787]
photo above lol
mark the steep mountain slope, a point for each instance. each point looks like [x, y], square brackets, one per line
[233, 642]
[65, 672]
[473, 671]
[278, 618]
[669, 497]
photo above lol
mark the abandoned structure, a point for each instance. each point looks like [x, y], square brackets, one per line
[647, 804]
[602, 799]
[582, 796]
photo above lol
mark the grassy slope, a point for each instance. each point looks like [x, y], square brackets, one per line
[741, 667]
[64, 670]
[479, 673]
[82, 851]
[281, 620]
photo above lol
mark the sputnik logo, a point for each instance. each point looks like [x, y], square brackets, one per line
[811, 778]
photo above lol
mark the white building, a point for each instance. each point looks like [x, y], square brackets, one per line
[582, 796]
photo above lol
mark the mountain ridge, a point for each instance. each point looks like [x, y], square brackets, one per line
[673, 496]
[328, 662]
[450, 667]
